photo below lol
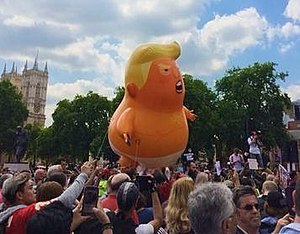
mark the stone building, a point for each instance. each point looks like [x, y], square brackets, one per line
[32, 83]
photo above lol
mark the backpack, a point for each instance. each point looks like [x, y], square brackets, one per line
[121, 225]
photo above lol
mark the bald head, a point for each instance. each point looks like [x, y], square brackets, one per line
[117, 180]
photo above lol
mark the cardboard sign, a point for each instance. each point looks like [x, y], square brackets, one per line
[253, 165]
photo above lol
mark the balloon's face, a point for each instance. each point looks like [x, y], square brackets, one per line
[164, 88]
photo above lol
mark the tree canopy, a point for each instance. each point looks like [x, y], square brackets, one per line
[13, 113]
[250, 99]
[78, 122]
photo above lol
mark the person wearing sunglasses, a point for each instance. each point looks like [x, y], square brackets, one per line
[247, 210]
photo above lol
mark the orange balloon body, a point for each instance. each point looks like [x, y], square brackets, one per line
[153, 117]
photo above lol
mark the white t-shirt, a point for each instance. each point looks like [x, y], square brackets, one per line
[237, 161]
[253, 146]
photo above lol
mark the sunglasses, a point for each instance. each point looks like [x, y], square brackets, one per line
[250, 207]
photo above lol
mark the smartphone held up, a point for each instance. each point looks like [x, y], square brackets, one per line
[90, 199]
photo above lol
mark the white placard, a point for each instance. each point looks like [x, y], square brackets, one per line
[218, 167]
[253, 165]
[17, 166]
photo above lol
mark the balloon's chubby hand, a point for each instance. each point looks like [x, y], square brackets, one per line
[127, 138]
[192, 116]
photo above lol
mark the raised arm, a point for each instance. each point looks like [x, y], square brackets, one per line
[189, 114]
[69, 196]
[157, 212]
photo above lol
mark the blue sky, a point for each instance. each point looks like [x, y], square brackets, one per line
[87, 43]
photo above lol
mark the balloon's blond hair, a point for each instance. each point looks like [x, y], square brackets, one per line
[140, 61]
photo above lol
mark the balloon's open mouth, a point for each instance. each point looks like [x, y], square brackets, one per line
[179, 87]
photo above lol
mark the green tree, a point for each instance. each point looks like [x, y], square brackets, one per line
[78, 122]
[47, 145]
[34, 131]
[13, 112]
[202, 100]
[251, 98]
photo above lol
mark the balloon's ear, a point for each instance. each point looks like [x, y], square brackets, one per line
[132, 89]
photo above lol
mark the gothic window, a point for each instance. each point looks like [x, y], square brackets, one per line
[38, 90]
[27, 90]
[37, 105]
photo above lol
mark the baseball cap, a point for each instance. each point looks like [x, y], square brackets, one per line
[12, 185]
[127, 195]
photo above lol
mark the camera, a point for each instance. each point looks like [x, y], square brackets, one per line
[145, 183]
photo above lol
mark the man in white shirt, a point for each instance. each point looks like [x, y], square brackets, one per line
[254, 150]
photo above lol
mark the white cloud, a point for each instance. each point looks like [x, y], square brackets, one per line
[293, 91]
[293, 10]
[283, 48]
[20, 21]
[223, 37]
[289, 30]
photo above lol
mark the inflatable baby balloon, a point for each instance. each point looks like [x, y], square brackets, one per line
[149, 126]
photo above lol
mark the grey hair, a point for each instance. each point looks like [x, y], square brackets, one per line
[209, 205]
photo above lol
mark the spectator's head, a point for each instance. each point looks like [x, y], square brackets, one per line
[293, 176]
[191, 166]
[270, 177]
[18, 190]
[296, 198]
[176, 211]
[127, 196]
[48, 191]
[117, 180]
[191, 169]
[5, 170]
[276, 204]
[64, 164]
[58, 177]
[247, 208]
[53, 169]
[159, 177]
[39, 174]
[52, 219]
[211, 209]
[269, 186]
[201, 178]
[180, 190]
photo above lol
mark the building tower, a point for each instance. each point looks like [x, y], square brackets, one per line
[32, 83]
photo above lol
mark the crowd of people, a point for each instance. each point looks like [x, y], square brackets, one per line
[165, 200]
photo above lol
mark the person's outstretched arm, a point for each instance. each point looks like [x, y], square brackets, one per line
[69, 196]
[157, 212]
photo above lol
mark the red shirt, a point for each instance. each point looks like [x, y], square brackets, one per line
[18, 221]
[110, 202]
